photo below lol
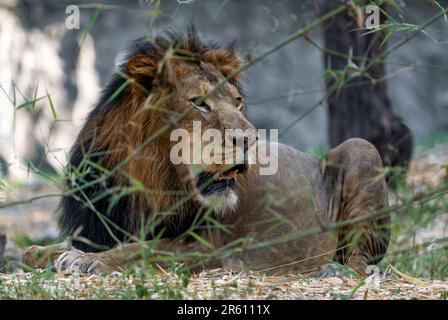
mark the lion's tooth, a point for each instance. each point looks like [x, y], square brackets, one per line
[229, 176]
[232, 174]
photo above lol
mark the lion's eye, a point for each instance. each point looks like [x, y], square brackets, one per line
[199, 103]
[239, 103]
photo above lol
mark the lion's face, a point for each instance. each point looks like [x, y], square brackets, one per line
[183, 77]
[221, 160]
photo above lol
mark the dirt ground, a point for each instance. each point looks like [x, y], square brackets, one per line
[218, 284]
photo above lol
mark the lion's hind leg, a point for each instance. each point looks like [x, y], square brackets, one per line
[354, 175]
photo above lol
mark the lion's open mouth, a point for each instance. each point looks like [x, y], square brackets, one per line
[212, 182]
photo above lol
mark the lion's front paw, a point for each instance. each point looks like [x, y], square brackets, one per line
[77, 262]
[331, 270]
[31, 255]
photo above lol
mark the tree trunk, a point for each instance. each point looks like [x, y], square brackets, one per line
[361, 107]
[2, 249]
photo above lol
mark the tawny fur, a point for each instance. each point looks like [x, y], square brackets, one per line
[302, 195]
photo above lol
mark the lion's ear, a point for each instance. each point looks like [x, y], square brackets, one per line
[142, 68]
[226, 60]
[148, 70]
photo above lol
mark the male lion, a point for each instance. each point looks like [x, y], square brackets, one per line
[121, 186]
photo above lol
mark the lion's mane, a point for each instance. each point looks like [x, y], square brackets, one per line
[115, 176]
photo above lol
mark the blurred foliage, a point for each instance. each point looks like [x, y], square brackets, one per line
[23, 241]
[440, 138]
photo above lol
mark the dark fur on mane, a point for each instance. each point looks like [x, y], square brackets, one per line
[76, 217]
